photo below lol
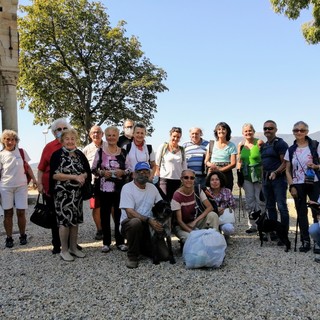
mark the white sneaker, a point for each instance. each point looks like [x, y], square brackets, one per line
[105, 249]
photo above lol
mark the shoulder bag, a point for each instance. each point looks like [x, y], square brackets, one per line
[42, 214]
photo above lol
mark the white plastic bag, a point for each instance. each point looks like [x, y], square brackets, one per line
[227, 217]
[204, 248]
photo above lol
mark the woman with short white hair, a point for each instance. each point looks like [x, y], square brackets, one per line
[14, 184]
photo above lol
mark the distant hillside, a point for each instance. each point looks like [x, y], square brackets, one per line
[289, 138]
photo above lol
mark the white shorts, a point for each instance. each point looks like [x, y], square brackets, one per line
[14, 197]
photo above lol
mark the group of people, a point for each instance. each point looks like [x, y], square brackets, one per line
[129, 177]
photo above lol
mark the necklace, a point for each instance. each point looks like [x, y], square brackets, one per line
[173, 149]
[113, 153]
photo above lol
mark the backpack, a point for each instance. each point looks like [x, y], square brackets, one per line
[165, 148]
[26, 166]
[129, 145]
[211, 144]
[200, 207]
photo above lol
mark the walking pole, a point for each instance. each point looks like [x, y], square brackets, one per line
[240, 203]
[296, 237]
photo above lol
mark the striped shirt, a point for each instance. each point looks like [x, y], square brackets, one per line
[195, 155]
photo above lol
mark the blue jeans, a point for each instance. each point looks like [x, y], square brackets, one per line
[314, 231]
[275, 193]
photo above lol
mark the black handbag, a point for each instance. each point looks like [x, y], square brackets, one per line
[87, 191]
[42, 215]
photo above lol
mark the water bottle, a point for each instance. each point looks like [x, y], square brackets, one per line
[309, 176]
[155, 179]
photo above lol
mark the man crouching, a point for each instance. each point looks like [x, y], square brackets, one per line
[136, 202]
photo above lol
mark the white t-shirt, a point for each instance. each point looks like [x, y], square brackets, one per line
[141, 200]
[11, 168]
[135, 155]
[300, 159]
[172, 164]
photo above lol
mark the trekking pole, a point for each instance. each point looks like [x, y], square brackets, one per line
[296, 236]
[240, 203]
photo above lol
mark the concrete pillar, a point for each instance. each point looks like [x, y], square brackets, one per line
[9, 110]
[9, 68]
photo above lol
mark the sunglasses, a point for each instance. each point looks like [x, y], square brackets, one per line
[176, 129]
[268, 128]
[128, 127]
[188, 177]
[60, 129]
[299, 130]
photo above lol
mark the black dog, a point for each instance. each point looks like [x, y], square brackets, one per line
[266, 225]
[315, 206]
[162, 213]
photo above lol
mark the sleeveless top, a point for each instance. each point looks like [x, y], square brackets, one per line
[251, 163]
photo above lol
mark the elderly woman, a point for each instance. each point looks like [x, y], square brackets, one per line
[109, 165]
[250, 165]
[57, 127]
[69, 171]
[301, 158]
[171, 161]
[192, 210]
[14, 185]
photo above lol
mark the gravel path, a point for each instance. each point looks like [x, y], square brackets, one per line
[253, 283]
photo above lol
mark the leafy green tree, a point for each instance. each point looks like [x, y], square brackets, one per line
[293, 8]
[74, 64]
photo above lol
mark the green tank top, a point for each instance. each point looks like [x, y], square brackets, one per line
[251, 163]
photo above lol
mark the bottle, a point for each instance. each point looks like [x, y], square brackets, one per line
[309, 176]
[155, 179]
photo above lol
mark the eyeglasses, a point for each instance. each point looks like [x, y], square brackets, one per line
[188, 177]
[268, 128]
[299, 130]
[128, 127]
[60, 129]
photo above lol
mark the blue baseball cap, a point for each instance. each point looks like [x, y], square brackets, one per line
[142, 166]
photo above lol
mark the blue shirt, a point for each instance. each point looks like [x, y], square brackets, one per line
[270, 154]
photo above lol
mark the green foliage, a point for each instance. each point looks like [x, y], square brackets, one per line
[293, 8]
[74, 64]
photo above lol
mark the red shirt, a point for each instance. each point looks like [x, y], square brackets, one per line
[187, 205]
[44, 164]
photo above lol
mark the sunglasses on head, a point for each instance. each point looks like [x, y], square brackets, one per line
[299, 130]
[188, 177]
[268, 128]
[60, 129]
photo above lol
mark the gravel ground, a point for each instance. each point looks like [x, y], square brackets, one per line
[253, 283]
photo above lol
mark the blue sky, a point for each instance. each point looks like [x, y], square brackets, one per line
[233, 61]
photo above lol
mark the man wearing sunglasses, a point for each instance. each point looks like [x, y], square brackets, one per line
[274, 181]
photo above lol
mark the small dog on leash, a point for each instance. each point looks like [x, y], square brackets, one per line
[266, 225]
[162, 213]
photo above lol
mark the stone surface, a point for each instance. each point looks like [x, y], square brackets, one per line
[253, 283]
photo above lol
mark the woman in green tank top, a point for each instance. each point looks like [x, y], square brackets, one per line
[249, 162]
